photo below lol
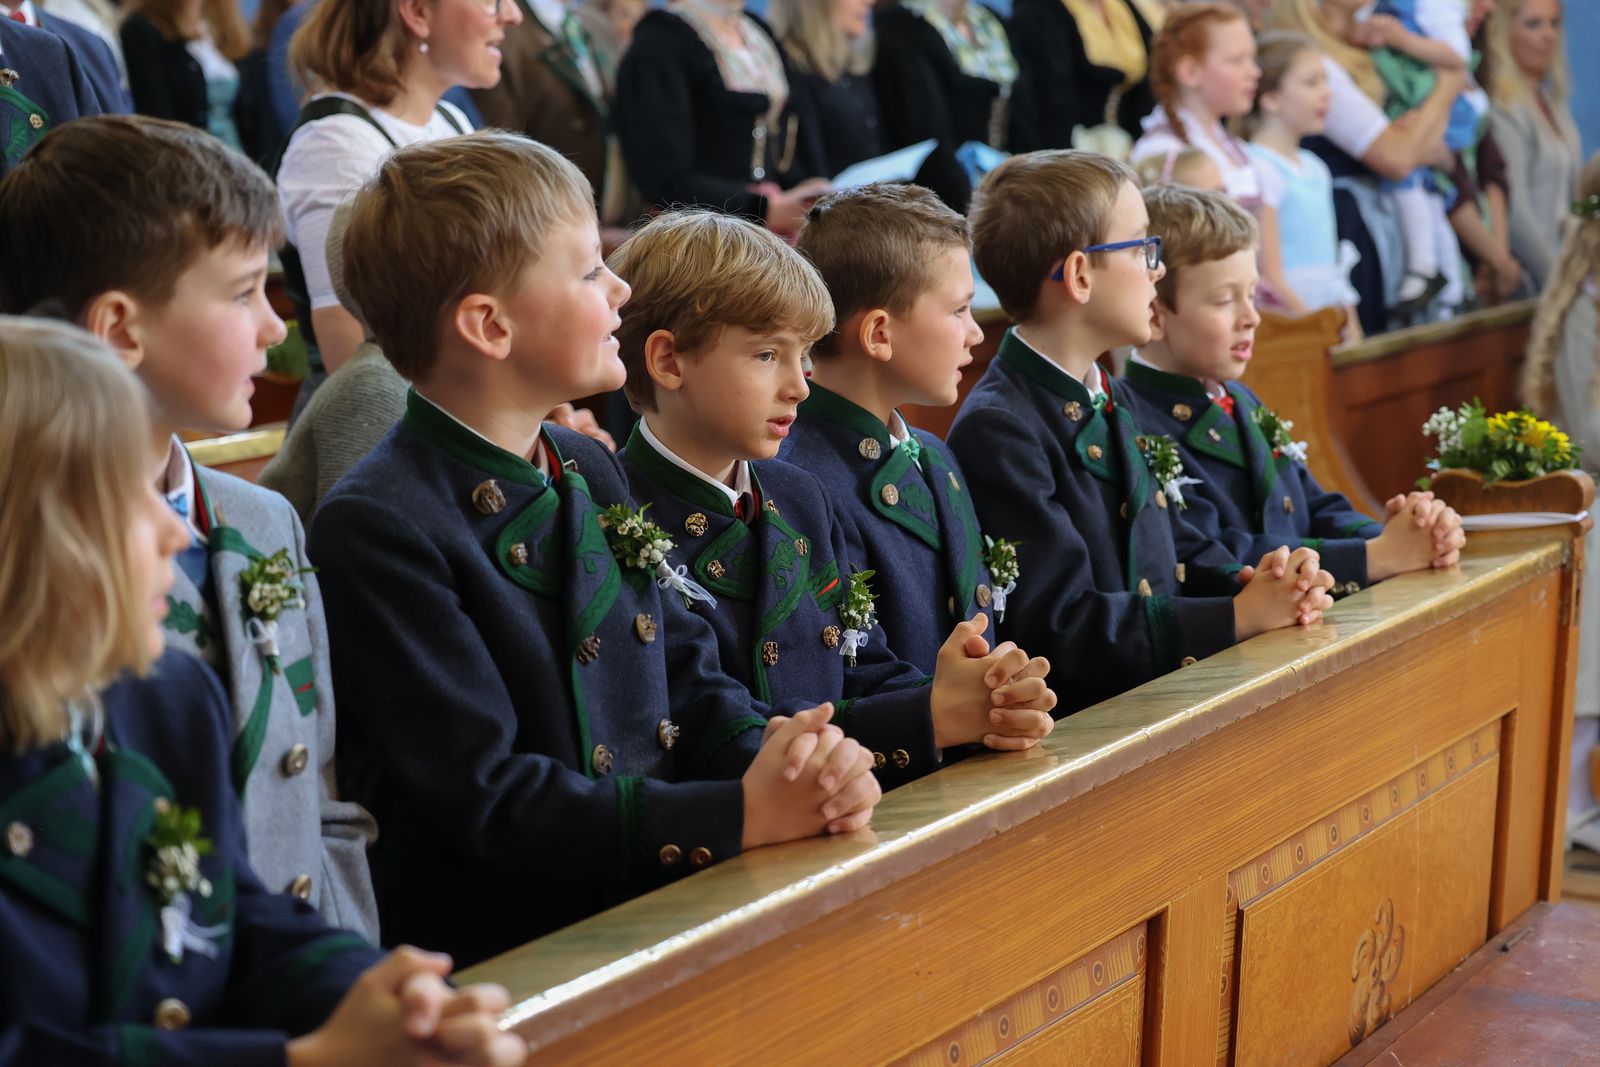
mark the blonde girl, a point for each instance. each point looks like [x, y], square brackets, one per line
[133, 923]
[1203, 72]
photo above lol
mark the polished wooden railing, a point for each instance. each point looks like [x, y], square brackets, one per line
[1256, 859]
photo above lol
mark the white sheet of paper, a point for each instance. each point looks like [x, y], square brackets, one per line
[1517, 520]
[900, 165]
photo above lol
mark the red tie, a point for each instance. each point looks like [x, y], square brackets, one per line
[17, 16]
[1225, 402]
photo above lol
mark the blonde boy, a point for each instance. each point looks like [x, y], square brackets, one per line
[1255, 493]
[541, 727]
[1117, 588]
[714, 340]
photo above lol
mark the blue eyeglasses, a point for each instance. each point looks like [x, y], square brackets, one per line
[1151, 246]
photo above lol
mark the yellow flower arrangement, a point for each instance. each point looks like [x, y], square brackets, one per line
[1512, 445]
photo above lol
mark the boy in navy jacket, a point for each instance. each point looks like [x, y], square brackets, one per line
[896, 262]
[714, 339]
[1254, 492]
[1117, 588]
[541, 727]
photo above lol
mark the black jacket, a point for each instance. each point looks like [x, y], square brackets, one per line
[166, 81]
[1058, 86]
[923, 93]
[686, 137]
[843, 116]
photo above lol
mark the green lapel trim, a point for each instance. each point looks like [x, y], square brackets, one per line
[428, 421]
[827, 587]
[247, 746]
[24, 134]
[1016, 354]
[628, 819]
[1164, 380]
[591, 550]
[1096, 431]
[1256, 448]
[732, 547]
[947, 486]
[674, 479]
[790, 573]
[723, 736]
[229, 539]
[134, 953]
[1215, 434]
[294, 972]
[828, 406]
[545, 578]
[37, 805]
[914, 509]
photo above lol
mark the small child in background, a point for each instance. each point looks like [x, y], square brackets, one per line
[1181, 166]
[1203, 70]
[1292, 103]
[1412, 40]
[135, 927]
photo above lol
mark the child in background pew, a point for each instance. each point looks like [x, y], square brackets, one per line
[1254, 492]
[897, 263]
[1117, 588]
[1180, 166]
[115, 785]
[155, 235]
[538, 720]
[713, 339]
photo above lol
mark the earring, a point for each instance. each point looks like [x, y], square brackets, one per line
[423, 47]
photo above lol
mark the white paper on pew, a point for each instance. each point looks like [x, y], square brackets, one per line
[1517, 520]
[900, 165]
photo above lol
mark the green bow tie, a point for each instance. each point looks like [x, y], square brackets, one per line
[912, 448]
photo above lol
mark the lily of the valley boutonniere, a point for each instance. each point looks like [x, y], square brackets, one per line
[1279, 433]
[269, 590]
[859, 613]
[1166, 464]
[1001, 558]
[174, 873]
[639, 544]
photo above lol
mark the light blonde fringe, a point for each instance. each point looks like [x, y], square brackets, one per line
[694, 273]
[807, 32]
[1196, 226]
[1306, 17]
[1578, 261]
[74, 445]
[1506, 84]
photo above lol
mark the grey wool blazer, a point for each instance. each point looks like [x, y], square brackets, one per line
[302, 838]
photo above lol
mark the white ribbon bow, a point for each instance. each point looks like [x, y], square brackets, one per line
[853, 642]
[998, 600]
[263, 635]
[679, 581]
[179, 932]
[1295, 450]
[1174, 489]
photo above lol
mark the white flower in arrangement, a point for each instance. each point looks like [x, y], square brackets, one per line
[1445, 425]
[638, 543]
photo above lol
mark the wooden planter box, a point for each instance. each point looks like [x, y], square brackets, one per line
[1568, 492]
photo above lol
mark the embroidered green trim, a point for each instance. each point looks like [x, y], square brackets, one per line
[247, 746]
[629, 819]
[428, 421]
[1162, 623]
[544, 570]
[138, 1046]
[723, 736]
[1173, 383]
[732, 547]
[790, 572]
[827, 587]
[968, 553]
[1226, 445]
[293, 979]
[914, 507]
[674, 479]
[1016, 354]
[828, 406]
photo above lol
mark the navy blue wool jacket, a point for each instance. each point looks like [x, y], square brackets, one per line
[1250, 498]
[84, 979]
[779, 580]
[539, 731]
[1116, 587]
[915, 526]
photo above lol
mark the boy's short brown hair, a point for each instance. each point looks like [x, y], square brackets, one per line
[443, 219]
[1034, 210]
[873, 247]
[123, 202]
[1196, 226]
[694, 273]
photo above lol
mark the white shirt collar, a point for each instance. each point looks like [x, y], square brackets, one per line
[29, 13]
[550, 13]
[178, 485]
[1093, 380]
[538, 459]
[741, 469]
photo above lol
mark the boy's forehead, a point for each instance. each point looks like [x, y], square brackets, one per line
[1237, 268]
[1128, 213]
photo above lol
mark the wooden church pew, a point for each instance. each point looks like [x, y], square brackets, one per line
[1254, 860]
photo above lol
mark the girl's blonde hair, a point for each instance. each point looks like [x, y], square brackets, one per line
[1277, 51]
[1306, 17]
[74, 449]
[1578, 261]
[1506, 84]
[808, 34]
[1185, 35]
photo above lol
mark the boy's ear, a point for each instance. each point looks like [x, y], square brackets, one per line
[1158, 320]
[875, 333]
[1075, 278]
[662, 360]
[479, 321]
[116, 317]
